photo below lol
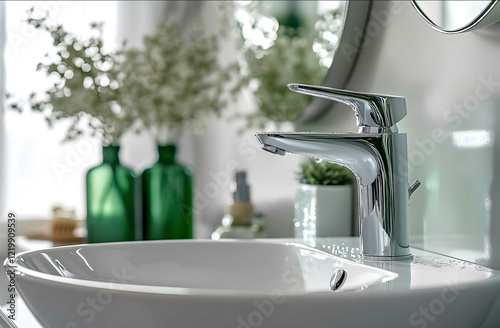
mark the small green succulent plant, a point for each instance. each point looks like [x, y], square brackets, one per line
[324, 174]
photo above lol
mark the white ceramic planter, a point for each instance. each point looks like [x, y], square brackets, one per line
[323, 211]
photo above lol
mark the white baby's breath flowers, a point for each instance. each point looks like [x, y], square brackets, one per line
[85, 85]
[175, 80]
[171, 81]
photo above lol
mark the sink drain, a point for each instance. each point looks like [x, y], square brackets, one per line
[338, 279]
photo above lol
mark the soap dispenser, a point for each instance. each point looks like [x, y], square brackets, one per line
[240, 220]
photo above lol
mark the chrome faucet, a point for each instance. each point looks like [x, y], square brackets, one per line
[377, 155]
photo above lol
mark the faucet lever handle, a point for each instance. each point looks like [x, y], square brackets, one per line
[371, 110]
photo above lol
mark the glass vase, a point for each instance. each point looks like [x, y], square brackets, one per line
[110, 200]
[167, 198]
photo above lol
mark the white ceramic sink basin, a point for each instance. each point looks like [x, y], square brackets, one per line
[242, 284]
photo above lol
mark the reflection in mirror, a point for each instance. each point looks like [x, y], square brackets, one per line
[320, 20]
[286, 42]
[457, 16]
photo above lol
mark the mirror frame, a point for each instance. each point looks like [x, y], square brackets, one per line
[356, 19]
[490, 15]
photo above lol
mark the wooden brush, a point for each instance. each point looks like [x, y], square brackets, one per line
[62, 228]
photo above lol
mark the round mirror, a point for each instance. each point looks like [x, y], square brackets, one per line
[457, 16]
[332, 31]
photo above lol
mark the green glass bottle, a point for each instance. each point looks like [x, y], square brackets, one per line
[167, 198]
[110, 200]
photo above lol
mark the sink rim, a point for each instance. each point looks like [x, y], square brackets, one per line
[179, 291]
[22, 271]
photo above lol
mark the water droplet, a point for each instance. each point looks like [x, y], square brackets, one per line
[318, 160]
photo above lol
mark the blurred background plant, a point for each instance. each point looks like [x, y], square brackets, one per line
[86, 85]
[169, 81]
[176, 80]
[289, 60]
[278, 51]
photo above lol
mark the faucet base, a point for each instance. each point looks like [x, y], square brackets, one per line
[388, 258]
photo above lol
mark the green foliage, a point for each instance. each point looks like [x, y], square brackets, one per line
[175, 79]
[277, 55]
[289, 60]
[86, 88]
[324, 173]
[170, 81]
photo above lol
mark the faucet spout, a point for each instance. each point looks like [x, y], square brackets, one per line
[274, 150]
[345, 149]
[379, 162]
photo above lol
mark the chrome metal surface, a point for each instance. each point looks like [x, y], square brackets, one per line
[378, 160]
[371, 110]
[338, 279]
[274, 150]
[441, 17]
